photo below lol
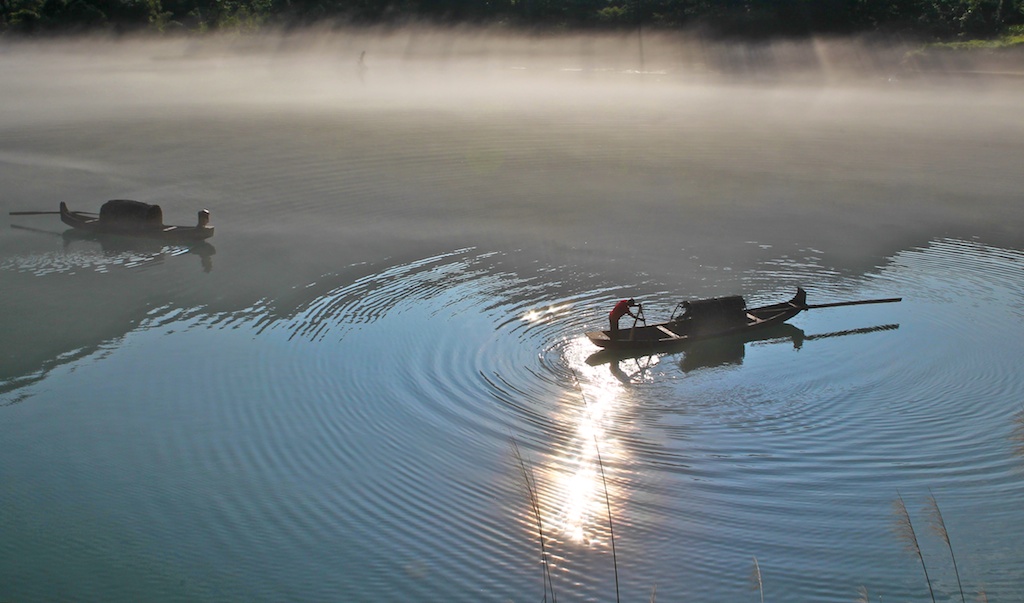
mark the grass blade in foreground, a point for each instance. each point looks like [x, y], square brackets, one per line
[531, 490]
[939, 526]
[905, 530]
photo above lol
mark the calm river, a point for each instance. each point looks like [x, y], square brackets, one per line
[372, 384]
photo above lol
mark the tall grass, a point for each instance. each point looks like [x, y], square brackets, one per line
[939, 527]
[1017, 437]
[906, 532]
[608, 506]
[755, 579]
[905, 529]
[862, 595]
[531, 489]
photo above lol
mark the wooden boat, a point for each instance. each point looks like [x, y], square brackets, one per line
[708, 319]
[704, 352]
[134, 218]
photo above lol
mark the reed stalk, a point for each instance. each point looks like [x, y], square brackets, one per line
[755, 579]
[607, 499]
[531, 489]
[905, 530]
[611, 529]
[1018, 433]
[862, 595]
[939, 527]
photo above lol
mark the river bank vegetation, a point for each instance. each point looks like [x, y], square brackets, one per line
[931, 20]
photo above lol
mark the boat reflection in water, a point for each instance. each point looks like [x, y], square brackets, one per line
[132, 251]
[711, 353]
[128, 251]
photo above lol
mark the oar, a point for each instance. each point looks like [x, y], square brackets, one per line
[638, 316]
[40, 213]
[887, 300]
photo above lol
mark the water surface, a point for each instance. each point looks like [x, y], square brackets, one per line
[351, 392]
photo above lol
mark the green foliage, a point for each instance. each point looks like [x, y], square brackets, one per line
[1013, 38]
[614, 15]
[243, 16]
[158, 18]
[951, 21]
[24, 20]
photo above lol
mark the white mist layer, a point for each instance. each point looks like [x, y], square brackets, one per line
[454, 69]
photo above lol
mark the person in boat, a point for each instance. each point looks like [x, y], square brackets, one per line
[622, 308]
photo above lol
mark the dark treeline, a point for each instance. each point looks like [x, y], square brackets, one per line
[935, 19]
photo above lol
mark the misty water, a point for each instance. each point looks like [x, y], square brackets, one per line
[373, 380]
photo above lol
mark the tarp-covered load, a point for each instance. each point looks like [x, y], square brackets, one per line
[717, 313]
[125, 212]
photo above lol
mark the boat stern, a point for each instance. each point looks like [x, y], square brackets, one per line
[203, 228]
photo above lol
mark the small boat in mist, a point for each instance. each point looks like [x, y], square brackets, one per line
[131, 218]
[708, 319]
[135, 218]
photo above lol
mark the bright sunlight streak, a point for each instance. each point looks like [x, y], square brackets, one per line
[578, 506]
[542, 314]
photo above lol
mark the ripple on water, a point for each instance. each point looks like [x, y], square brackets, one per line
[70, 261]
[809, 439]
[380, 412]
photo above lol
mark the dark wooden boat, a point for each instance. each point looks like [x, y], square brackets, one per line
[137, 219]
[708, 319]
[705, 351]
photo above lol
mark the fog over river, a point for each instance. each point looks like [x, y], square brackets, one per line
[372, 383]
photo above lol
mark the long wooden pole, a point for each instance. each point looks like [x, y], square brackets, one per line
[41, 213]
[887, 300]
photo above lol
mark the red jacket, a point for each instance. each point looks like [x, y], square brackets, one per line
[620, 310]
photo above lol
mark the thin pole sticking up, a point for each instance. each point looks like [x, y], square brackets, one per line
[534, 502]
[604, 483]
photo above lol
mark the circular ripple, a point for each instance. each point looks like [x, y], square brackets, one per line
[447, 403]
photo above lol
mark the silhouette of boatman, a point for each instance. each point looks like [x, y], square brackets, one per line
[621, 309]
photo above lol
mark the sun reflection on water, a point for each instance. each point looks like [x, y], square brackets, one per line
[584, 470]
[542, 314]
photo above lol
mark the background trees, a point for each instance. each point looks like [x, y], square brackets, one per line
[940, 19]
